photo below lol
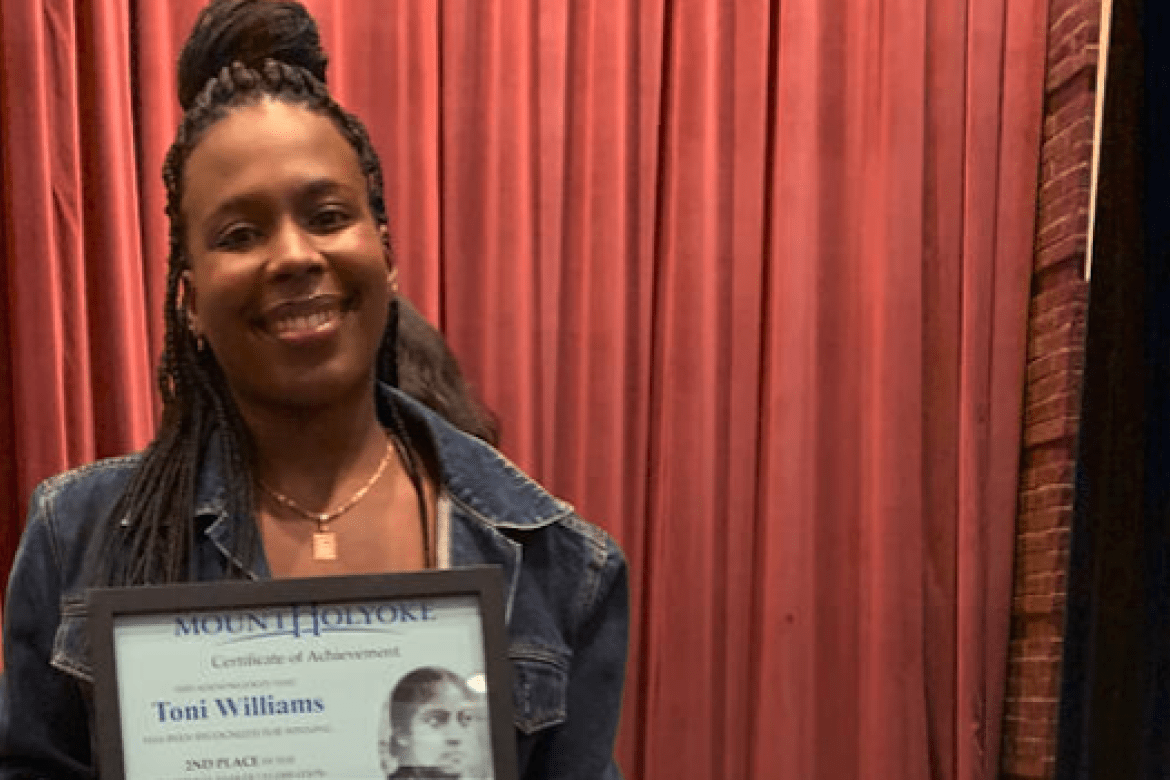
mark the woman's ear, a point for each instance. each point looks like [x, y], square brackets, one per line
[189, 302]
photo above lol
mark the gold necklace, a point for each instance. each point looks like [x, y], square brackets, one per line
[325, 540]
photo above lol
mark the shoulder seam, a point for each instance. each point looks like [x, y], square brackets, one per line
[57, 481]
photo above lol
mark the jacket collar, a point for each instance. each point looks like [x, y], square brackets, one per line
[479, 480]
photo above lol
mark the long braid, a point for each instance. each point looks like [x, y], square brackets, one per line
[149, 536]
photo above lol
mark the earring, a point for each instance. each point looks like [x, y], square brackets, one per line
[200, 342]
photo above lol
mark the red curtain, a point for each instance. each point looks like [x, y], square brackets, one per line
[746, 281]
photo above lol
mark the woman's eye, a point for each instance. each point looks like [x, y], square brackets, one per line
[437, 719]
[330, 218]
[236, 238]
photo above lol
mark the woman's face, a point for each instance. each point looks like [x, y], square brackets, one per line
[441, 732]
[289, 280]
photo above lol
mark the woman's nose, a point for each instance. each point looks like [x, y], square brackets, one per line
[293, 250]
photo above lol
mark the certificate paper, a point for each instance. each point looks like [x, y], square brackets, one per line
[302, 688]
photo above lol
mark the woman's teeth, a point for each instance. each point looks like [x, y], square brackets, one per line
[304, 322]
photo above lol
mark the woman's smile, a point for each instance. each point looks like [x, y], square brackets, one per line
[305, 320]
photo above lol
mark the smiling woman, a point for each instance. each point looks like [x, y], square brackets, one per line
[285, 449]
[289, 278]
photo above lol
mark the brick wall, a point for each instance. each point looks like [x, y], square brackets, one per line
[1056, 350]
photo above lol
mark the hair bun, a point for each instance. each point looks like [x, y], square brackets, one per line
[249, 32]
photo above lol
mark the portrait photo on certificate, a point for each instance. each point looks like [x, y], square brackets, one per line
[387, 676]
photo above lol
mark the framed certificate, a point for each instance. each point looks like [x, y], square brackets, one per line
[380, 676]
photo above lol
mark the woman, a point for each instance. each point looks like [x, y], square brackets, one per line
[283, 449]
[434, 726]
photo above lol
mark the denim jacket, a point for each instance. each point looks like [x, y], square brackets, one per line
[566, 603]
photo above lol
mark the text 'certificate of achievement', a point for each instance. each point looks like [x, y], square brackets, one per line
[389, 676]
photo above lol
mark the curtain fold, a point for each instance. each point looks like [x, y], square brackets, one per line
[81, 377]
[746, 282]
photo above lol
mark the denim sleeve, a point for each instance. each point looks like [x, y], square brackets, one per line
[44, 724]
[582, 747]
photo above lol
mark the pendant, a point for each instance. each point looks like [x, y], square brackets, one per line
[324, 546]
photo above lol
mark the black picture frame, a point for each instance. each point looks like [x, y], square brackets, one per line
[108, 606]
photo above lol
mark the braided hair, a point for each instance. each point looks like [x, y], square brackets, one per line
[243, 52]
[428, 372]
